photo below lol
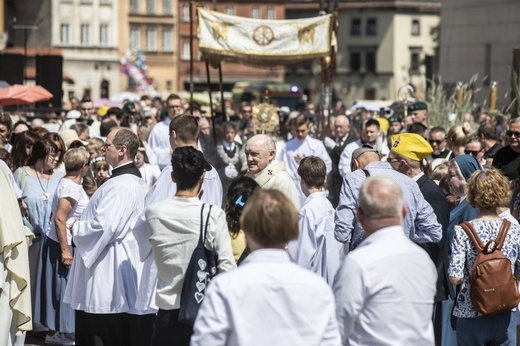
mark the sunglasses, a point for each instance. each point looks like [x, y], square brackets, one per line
[472, 152]
[436, 141]
[512, 134]
[391, 159]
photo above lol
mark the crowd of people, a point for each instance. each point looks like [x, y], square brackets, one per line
[348, 236]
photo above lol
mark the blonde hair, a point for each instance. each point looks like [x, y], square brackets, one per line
[96, 143]
[487, 189]
[270, 218]
[440, 171]
[75, 158]
[458, 134]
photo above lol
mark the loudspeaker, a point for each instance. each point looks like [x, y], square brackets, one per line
[49, 74]
[11, 68]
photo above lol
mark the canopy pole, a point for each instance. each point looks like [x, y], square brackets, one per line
[191, 56]
[221, 86]
[208, 78]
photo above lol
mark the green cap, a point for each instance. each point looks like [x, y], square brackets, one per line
[418, 106]
[396, 118]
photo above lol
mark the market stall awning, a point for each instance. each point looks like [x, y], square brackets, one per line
[23, 95]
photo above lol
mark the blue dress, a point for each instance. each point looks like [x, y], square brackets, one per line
[461, 213]
[40, 208]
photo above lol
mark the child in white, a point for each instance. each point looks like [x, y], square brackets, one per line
[316, 248]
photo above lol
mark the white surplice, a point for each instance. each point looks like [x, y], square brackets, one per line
[316, 247]
[302, 148]
[165, 188]
[106, 271]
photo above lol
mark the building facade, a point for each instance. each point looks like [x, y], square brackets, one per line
[86, 32]
[149, 26]
[478, 37]
[231, 72]
[381, 46]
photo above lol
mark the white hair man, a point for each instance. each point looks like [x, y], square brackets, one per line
[268, 173]
[386, 267]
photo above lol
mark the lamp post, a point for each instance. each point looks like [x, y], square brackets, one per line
[25, 28]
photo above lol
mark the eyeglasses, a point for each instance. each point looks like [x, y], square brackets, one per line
[54, 156]
[472, 152]
[107, 145]
[391, 159]
[436, 141]
[512, 134]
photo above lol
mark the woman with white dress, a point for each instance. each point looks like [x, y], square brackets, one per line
[150, 173]
[57, 253]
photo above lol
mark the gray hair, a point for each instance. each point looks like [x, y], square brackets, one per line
[514, 120]
[380, 197]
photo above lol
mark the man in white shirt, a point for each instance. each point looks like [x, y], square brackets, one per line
[299, 147]
[385, 288]
[268, 300]
[160, 134]
[87, 116]
[174, 226]
[106, 271]
[184, 132]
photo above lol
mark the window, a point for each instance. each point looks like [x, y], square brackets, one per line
[355, 28]
[105, 2]
[134, 6]
[169, 85]
[150, 6]
[85, 34]
[230, 10]
[65, 34]
[151, 39]
[370, 61]
[185, 50]
[104, 89]
[271, 13]
[185, 13]
[103, 35]
[372, 27]
[167, 7]
[135, 38]
[167, 38]
[416, 27]
[255, 13]
[355, 61]
[415, 59]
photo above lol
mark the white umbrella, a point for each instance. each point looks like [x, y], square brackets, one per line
[125, 96]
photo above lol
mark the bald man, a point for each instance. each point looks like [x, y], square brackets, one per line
[267, 172]
[334, 147]
[420, 223]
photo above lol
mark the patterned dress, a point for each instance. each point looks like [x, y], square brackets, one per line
[464, 254]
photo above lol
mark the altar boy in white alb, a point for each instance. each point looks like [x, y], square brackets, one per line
[316, 248]
[299, 147]
[106, 270]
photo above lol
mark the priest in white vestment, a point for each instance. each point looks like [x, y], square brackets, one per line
[266, 171]
[106, 271]
[299, 147]
[15, 293]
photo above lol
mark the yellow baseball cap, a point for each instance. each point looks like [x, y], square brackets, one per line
[410, 145]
